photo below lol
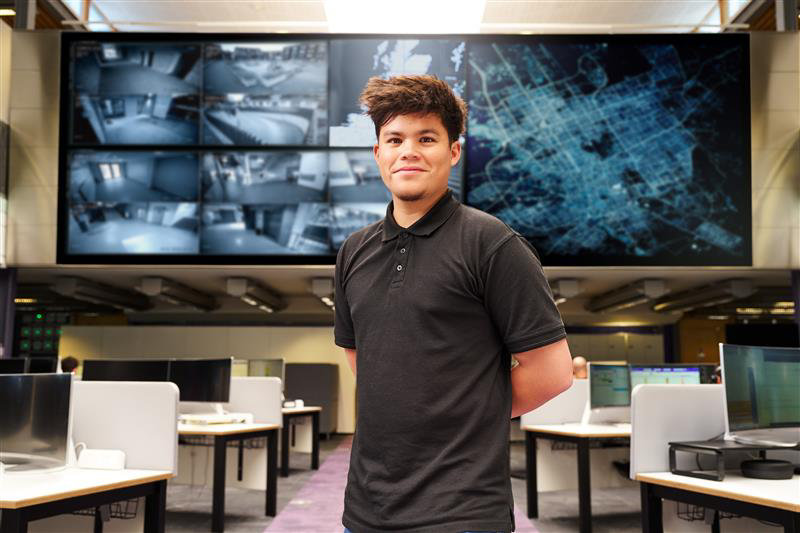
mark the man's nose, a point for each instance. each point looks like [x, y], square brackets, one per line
[409, 150]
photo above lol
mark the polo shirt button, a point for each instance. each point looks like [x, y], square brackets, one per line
[399, 268]
[402, 250]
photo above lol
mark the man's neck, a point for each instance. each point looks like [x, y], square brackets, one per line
[407, 213]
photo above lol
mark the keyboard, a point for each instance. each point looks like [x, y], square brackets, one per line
[212, 418]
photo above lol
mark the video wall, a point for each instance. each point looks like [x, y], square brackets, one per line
[253, 149]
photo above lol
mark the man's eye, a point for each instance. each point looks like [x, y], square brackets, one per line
[393, 140]
[428, 139]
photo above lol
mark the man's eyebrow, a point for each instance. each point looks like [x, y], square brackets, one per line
[400, 134]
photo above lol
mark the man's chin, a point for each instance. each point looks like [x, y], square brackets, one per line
[410, 196]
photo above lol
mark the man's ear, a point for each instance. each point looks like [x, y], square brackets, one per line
[455, 153]
[375, 152]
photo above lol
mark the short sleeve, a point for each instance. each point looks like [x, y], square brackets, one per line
[518, 297]
[343, 333]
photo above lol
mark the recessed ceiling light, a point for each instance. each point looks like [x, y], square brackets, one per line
[7, 13]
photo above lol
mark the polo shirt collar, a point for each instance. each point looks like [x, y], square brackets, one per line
[430, 221]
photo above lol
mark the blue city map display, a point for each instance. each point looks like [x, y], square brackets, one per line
[612, 153]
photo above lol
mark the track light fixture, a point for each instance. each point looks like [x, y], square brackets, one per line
[635, 293]
[564, 289]
[100, 293]
[176, 293]
[705, 296]
[256, 295]
[322, 288]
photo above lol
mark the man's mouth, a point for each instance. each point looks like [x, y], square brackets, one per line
[409, 169]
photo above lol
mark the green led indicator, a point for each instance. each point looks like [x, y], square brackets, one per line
[37, 332]
[25, 345]
[48, 332]
[26, 332]
[48, 345]
[39, 316]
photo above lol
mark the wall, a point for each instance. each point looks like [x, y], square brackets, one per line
[5, 90]
[295, 345]
[775, 104]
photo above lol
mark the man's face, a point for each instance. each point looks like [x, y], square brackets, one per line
[414, 156]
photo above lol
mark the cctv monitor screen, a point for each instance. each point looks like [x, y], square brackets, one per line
[609, 385]
[254, 149]
[761, 386]
[125, 370]
[15, 365]
[34, 421]
[665, 375]
[202, 380]
[42, 365]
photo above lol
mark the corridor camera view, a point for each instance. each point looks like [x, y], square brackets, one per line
[264, 177]
[357, 60]
[266, 229]
[117, 69]
[266, 68]
[111, 177]
[136, 119]
[245, 119]
[350, 217]
[133, 228]
[135, 93]
[354, 177]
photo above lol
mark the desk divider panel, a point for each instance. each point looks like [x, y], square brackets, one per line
[139, 418]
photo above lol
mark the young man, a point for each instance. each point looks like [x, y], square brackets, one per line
[431, 304]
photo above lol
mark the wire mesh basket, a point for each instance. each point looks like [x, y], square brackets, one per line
[693, 513]
[205, 440]
[124, 510]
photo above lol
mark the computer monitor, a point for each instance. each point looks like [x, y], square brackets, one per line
[42, 365]
[125, 370]
[14, 365]
[609, 393]
[34, 421]
[666, 375]
[762, 399]
[202, 380]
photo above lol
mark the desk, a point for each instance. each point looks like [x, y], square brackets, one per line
[28, 497]
[762, 499]
[223, 433]
[295, 412]
[582, 435]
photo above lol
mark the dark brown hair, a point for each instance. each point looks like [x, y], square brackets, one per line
[409, 95]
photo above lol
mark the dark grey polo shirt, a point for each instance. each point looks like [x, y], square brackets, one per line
[434, 312]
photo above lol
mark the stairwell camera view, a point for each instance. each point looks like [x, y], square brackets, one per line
[136, 94]
[133, 228]
[266, 94]
[111, 177]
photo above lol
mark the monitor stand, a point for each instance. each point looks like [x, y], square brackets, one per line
[201, 408]
[606, 415]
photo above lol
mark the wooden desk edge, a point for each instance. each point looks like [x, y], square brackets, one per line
[786, 506]
[300, 410]
[18, 504]
[570, 433]
[203, 430]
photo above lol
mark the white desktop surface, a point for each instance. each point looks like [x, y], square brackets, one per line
[576, 429]
[300, 410]
[222, 429]
[778, 493]
[25, 489]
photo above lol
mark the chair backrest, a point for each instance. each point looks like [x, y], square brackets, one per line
[139, 418]
[661, 414]
[260, 396]
[566, 407]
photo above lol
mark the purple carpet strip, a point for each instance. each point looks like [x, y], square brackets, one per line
[318, 505]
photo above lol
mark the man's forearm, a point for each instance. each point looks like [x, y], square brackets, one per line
[351, 359]
[541, 374]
